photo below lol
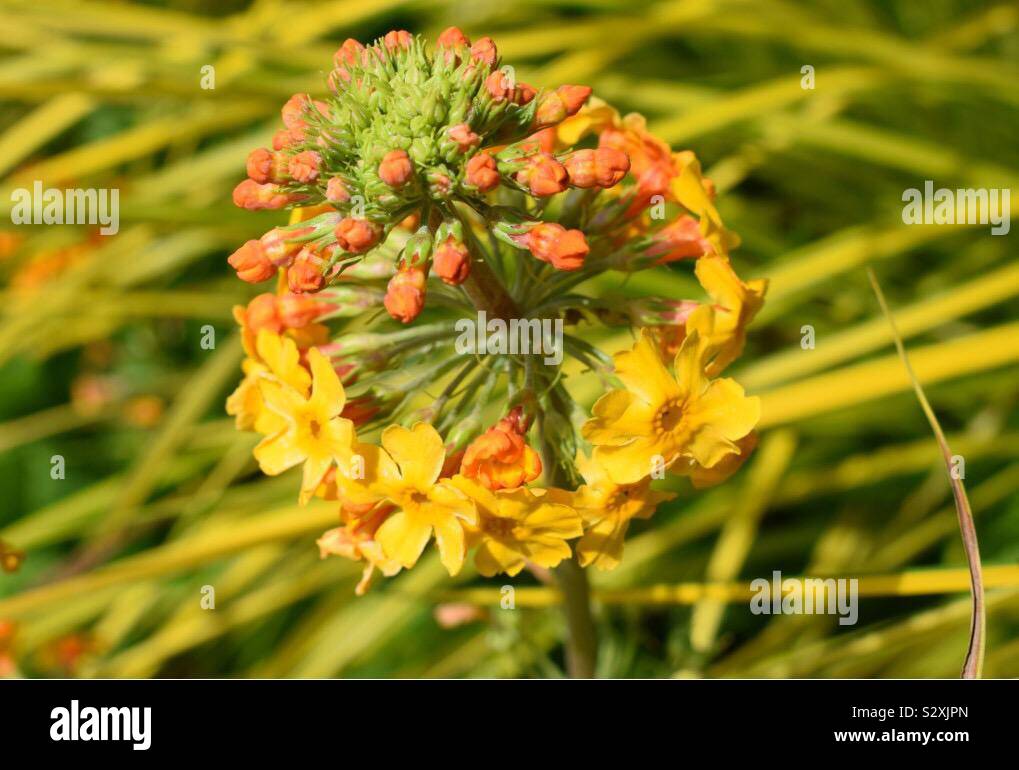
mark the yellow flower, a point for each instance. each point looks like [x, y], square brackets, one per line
[405, 471]
[722, 325]
[276, 358]
[607, 509]
[661, 418]
[310, 430]
[516, 526]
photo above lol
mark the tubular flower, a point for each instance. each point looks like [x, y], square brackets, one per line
[661, 418]
[515, 526]
[405, 472]
[500, 458]
[313, 431]
[607, 509]
[453, 237]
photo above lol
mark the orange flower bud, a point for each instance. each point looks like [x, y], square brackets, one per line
[305, 275]
[296, 311]
[452, 37]
[556, 106]
[499, 86]
[397, 38]
[266, 166]
[336, 191]
[452, 261]
[293, 111]
[523, 94]
[603, 167]
[253, 196]
[563, 249]
[304, 166]
[278, 249]
[357, 235]
[396, 169]
[463, 136]
[544, 175]
[348, 53]
[282, 139]
[573, 97]
[500, 457]
[484, 51]
[261, 313]
[251, 263]
[482, 172]
[405, 294]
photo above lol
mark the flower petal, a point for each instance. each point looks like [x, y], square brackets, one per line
[419, 452]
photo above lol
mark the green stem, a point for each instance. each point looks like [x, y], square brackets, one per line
[582, 637]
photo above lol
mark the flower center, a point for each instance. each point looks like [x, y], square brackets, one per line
[668, 417]
[499, 527]
[314, 428]
[416, 498]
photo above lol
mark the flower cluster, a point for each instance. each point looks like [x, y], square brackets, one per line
[437, 173]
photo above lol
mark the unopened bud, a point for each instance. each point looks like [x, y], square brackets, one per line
[603, 167]
[452, 261]
[544, 175]
[357, 235]
[485, 52]
[482, 172]
[304, 166]
[405, 294]
[563, 249]
[253, 196]
[251, 263]
[396, 169]
[305, 275]
[266, 166]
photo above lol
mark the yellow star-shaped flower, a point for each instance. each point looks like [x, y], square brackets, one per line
[660, 418]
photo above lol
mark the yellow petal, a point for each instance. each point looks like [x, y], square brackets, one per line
[403, 537]
[315, 469]
[278, 452]
[280, 354]
[643, 371]
[419, 452]
[449, 537]
[630, 463]
[493, 557]
[327, 395]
